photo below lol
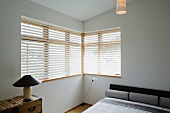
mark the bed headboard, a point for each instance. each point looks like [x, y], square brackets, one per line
[140, 90]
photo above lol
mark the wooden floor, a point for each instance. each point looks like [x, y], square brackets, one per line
[79, 109]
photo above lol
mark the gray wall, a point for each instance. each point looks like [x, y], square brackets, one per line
[145, 46]
[58, 96]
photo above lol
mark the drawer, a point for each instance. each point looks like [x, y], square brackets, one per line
[32, 107]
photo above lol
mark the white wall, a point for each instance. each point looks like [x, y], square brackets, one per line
[58, 96]
[61, 95]
[145, 46]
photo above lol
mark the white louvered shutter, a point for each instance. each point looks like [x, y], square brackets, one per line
[56, 54]
[49, 53]
[75, 54]
[32, 52]
[91, 54]
[103, 54]
[110, 54]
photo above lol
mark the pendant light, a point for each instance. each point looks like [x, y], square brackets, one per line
[121, 7]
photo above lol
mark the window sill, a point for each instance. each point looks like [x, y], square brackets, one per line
[114, 76]
[63, 77]
[51, 79]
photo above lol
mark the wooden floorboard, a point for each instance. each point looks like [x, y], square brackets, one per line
[79, 109]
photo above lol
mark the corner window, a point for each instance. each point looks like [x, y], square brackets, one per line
[103, 53]
[48, 52]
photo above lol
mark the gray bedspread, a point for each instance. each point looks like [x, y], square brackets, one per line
[109, 105]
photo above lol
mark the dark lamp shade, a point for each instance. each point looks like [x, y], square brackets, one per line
[26, 81]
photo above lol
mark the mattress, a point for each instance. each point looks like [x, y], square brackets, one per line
[112, 105]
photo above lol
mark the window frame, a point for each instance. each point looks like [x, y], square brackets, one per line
[46, 39]
[100, 33]
[47, 27]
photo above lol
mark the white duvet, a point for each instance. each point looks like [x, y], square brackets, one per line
[109, 107]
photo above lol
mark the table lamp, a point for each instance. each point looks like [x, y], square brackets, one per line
[27, 81]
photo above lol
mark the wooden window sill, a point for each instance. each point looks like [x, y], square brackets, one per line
[51, 79]
[115, 76]
[63, 77]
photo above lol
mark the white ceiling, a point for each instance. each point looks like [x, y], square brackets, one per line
[79, 9]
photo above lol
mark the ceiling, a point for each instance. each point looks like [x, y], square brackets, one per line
[79, 9]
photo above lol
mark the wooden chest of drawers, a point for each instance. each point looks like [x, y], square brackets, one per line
[16, 105]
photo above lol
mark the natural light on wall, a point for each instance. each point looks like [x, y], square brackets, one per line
[121, 7]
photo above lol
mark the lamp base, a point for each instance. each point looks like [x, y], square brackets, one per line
[26, 100]
[27, 94]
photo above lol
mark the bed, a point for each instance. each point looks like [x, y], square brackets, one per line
[126, 99]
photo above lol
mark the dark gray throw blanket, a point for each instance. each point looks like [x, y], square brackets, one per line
[114, 106]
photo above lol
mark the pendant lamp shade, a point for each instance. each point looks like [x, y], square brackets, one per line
[121, 7]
